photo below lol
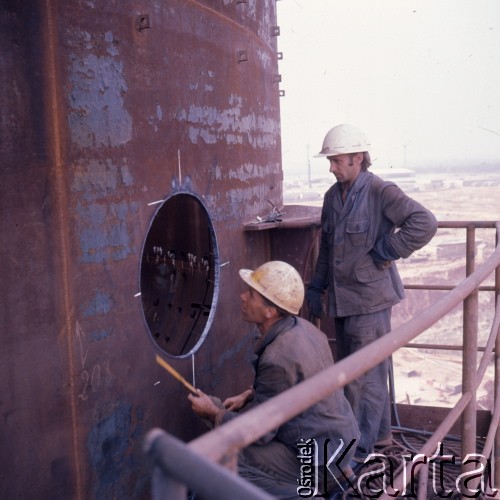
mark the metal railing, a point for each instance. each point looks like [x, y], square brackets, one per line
[203, 467]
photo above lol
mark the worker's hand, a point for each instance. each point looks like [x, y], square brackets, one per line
[315, 302]
[203, 405]
[383, 252]
[234, 403]
[379, 262]
[314, 296]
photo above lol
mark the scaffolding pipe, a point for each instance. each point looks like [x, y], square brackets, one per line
[496, 450]
[479, 224]
[490, 438]
[444, 288]
[443, 347]
[182, 466]
[164, 486]
[251, 425]
[469, 362]
[423, 479]
[489, 348]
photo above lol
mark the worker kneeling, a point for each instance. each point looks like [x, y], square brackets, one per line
[288, 350]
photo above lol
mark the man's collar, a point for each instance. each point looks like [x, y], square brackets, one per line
[282, 325]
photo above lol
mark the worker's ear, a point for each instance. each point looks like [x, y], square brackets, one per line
[270, 312]
[358, 158]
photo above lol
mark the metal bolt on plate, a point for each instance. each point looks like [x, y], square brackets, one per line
[142, 22]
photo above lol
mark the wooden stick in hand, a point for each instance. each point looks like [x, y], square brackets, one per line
[176, 374]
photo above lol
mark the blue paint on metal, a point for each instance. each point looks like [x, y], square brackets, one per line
[213, 125]
[100, 304]
[127, 178]
[97, 180]
[103, 227]
[159, 112]
[98, 117]
[113, 446]
[99, 244]
[100, 335]
[103, 231]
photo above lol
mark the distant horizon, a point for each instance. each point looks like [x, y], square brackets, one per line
[480, 167]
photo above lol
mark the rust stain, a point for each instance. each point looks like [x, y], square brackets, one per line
[61, 200]
[233, 23]
[116, 119]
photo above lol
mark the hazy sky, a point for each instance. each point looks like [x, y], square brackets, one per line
[420, 77]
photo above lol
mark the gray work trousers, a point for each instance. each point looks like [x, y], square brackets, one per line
[369, 394]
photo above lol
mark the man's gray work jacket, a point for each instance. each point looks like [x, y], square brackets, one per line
[373, 208]
[292, 351]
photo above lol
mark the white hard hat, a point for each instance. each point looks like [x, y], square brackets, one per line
[342, 139]
[278, 282]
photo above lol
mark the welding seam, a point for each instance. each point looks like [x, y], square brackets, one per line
[62, 223]
[233, 23]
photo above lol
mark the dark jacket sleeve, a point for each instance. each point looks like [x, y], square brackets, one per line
[320, 278]
[416, 224]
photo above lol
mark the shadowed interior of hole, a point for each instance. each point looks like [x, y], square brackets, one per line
[178, 275]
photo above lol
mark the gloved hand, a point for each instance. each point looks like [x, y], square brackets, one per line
[314, 296]
[379, 261]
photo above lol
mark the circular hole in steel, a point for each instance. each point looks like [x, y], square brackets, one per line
[179, 275]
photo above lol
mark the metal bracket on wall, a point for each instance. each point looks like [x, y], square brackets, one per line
[142, 22]
[242, 55]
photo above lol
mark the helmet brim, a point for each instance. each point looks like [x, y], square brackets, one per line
[337, 152]
[247, 276]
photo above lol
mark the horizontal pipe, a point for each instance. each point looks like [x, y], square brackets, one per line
[251, 425]
[484, 288]
[437, 347]
[440, 347]
[478, 224]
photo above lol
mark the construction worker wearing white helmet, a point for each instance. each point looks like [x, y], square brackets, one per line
[367, 224]
[288, 349]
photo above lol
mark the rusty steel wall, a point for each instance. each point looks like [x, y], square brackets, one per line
[107, 107]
